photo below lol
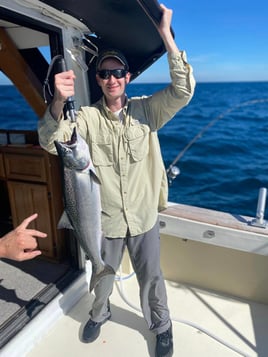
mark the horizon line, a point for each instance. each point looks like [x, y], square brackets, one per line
[197, 82]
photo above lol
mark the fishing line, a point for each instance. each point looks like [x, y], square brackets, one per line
[173, 171]
[46, 81]
[119, 284]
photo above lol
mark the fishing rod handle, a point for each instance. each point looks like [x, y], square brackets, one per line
[69, 101]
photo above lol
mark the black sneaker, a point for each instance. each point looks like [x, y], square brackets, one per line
[92, 330]
[164, 344]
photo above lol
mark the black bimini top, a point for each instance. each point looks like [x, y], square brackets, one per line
[128, 25]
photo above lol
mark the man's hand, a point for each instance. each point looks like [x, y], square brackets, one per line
[63, 88]
[20, 244]
[64, 85]
[164, 30]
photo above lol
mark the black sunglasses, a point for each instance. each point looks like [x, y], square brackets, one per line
[107, 73]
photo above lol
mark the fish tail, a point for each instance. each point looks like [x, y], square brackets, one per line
[95, 278]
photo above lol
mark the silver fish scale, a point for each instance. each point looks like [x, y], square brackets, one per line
[82, 203]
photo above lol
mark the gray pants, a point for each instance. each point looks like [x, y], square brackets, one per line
[144, 252]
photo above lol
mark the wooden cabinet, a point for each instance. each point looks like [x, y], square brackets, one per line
[29, 166]
[34, 186]
[26, 199]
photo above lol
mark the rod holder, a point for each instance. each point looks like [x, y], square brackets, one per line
[259, 220]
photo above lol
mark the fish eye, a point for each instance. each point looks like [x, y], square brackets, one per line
[66, 150]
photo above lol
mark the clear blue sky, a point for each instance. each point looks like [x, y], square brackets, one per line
[224, 40]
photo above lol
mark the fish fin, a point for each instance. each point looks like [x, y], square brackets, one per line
[64, 222]
[95, 278]
[94, 176]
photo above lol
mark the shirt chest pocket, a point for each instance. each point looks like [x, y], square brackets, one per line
[137, 138]
[102, 151]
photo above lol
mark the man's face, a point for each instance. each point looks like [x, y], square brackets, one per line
[113, 87]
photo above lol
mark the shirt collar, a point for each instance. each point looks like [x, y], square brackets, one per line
[108, 111]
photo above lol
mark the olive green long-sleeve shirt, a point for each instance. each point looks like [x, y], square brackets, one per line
[126, 154]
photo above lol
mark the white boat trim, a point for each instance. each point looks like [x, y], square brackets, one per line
[208, 226]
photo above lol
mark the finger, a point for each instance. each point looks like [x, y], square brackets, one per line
[29, 244]
[30, 254]
[71, 74]
[63, 76]
[35, 233]
[28, 220]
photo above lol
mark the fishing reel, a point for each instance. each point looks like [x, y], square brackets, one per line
[172, 173]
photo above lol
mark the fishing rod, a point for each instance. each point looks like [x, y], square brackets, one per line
[173, 171]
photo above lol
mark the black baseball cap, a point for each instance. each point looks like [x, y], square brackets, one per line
[111, 53]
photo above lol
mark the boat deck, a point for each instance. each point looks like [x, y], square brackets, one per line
[204, 324]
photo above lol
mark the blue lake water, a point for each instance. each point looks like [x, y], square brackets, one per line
[225, 167]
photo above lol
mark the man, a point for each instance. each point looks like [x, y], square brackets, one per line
[122, 137]
[20, 244]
